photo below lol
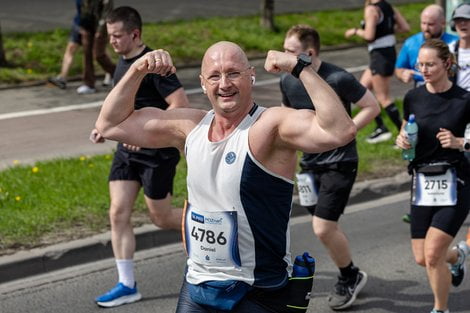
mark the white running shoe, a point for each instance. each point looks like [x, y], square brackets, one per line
[459, 269]
[108, 80]
[85, 90]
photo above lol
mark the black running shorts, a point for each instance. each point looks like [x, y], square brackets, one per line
[334, 183]
[156, 181]
[449, 219]
[382, 61]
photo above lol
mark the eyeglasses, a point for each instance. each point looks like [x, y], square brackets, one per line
[428, 65]
[233, 76]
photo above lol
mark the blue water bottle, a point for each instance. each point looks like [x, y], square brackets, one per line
[411, 129]
[300, 284]
[304, 265]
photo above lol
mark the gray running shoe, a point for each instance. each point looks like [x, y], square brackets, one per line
[58, 82]
[459, 269]
[379, 135]
[346, 291]
[439, 311]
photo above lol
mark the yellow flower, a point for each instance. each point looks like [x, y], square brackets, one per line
[30, 44]
[91, 165]
[82, 158]
[29, 71]
[16, 162]
[35, 169]
[107, 157]
[18, 198]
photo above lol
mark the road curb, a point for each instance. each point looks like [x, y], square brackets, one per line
[42, 260]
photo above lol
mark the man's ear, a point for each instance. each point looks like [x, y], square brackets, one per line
[311, 52]
[135, 34]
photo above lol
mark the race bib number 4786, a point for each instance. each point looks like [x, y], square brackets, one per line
[212, 237]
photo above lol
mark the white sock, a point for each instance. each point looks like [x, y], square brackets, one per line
[126, 272]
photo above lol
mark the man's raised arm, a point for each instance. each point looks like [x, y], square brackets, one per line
[329, 127]
[117, 119]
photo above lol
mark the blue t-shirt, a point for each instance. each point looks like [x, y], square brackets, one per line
[408, 56]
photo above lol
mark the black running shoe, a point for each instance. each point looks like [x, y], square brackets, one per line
[58, 82]
[379, 135]
[346, 291]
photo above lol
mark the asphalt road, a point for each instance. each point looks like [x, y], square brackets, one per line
[379, 242]
[34, 15]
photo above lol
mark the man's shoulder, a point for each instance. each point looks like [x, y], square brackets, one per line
[416, 39]
[331, 68]
[335, 75]
[449, 38]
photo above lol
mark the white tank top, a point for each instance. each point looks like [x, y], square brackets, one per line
[237, 218]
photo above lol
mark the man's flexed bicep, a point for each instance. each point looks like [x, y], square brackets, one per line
[299, 129]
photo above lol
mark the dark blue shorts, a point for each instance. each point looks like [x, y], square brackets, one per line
[75, 34]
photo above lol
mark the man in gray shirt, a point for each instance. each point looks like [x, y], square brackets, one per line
[329, 176]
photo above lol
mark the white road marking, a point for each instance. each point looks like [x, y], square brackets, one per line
[97, 104]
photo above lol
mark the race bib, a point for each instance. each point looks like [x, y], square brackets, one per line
[435, 190]
[308, 195]
[212, 237]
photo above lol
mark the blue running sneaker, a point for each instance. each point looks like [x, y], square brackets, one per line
[459, 269]
[119, 295]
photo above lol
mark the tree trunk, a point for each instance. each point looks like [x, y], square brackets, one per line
[267, 15]
[3, 60]
[443, 4]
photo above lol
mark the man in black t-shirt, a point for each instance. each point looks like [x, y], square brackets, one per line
[135, 167]
[326, 179]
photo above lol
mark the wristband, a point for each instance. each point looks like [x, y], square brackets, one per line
[466, 145]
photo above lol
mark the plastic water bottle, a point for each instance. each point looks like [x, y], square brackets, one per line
[304, 265]
[411, 129]
[300, 284]
[467, 132]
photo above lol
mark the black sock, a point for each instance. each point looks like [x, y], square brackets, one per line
[380, 123]
[394, 114]
[349, 271]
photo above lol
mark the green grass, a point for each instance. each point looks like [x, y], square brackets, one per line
[59, 197]
[36, 56]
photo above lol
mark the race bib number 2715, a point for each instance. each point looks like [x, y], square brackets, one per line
[435, 190]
